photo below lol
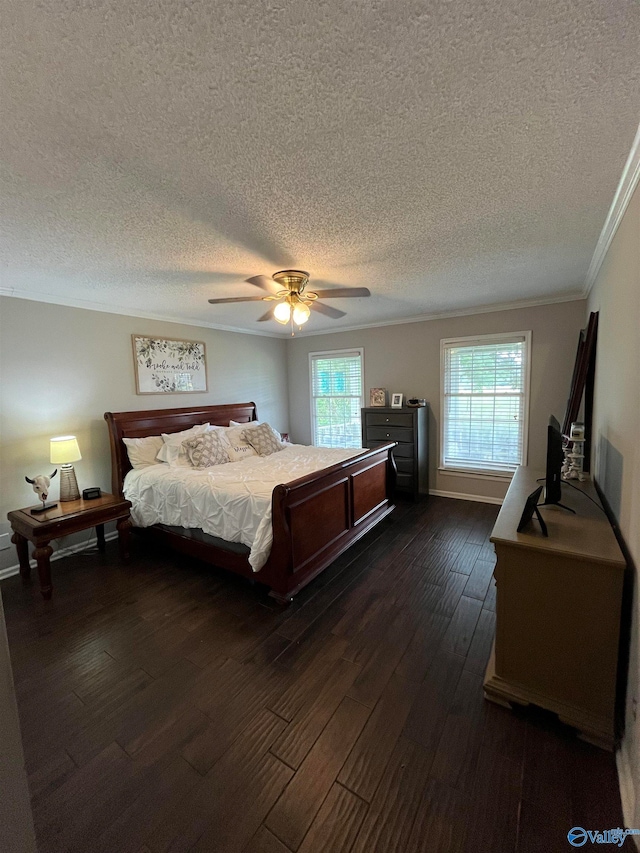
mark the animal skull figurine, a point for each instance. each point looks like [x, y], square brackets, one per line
[41, 485]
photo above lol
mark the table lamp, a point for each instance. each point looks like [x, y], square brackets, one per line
[64, 451]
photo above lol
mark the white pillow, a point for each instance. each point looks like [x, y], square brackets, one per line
[237, 447]
[240, 451]
[233, 434]
[172, 450]
[142, 452]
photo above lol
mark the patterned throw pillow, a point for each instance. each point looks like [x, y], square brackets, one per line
[206, 450]
[263, 439]
[172, 450]
[251, 425]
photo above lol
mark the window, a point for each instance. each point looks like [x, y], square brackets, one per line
[485, 402]
[336, 398]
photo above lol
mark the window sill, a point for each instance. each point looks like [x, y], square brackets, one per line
[475, 474]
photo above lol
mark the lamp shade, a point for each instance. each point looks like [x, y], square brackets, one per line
[282, 312]
[301, 313]
[64, 449]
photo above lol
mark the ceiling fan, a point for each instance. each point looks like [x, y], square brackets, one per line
[294, 301]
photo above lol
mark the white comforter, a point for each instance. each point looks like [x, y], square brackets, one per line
[232, 501]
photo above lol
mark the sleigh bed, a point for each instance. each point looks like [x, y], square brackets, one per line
[315, 518]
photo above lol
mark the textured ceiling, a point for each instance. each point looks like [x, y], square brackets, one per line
[445, 154]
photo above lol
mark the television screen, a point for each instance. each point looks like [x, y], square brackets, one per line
[555, 460]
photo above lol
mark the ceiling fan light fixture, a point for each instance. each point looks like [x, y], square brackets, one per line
[293, 281]
[301, 314]
[282, 313]
[293, 301]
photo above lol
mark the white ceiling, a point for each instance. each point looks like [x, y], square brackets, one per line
[445, 154]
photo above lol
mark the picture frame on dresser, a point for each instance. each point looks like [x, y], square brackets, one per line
[377, 397]
[396, 401]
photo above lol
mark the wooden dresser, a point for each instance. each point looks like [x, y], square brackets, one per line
[409, 427]
[558, 609]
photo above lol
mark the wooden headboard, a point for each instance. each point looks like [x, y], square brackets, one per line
[154, 422]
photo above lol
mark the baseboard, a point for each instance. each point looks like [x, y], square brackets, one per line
[482, 499]
[627, 792]
[59, 554]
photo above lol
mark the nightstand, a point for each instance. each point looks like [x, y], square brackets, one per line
[66, 518]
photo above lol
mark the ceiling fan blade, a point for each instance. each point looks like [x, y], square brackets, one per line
[265, 283]
[326, 309]
[342, 292]
[236, 299]
[267, 316]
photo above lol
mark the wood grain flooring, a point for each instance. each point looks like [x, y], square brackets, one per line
[167, 706]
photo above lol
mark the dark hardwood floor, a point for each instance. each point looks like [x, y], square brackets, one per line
[166, 706]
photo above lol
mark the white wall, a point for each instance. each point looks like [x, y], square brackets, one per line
[616, 295]
[406, 358]
[62, 368]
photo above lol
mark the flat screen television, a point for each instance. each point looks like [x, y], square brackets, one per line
[555, 460]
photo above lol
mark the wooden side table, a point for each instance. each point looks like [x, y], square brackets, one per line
[66, 518]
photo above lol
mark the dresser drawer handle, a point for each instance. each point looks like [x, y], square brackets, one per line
[387, 420]
[387, 435]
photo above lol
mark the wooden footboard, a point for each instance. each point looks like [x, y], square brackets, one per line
[319, 516]
[315, 518]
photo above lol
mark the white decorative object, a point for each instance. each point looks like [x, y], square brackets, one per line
[169, 365]
[396, 401]
[577, 431]
[41, 485]
[573, 466]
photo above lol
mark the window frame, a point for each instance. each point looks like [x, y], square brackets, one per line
[483, 340]
[328, 354]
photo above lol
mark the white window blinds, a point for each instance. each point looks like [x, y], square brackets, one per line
[485, 402]
[336, 398]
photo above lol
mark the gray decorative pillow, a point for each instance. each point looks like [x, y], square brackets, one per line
[207, 449]
[263, 439]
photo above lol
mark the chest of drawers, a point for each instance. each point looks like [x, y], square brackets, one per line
[409, 427]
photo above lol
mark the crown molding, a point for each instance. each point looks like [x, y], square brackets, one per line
[145, 315]
[574, 296]
[420, 318]
[626, 186]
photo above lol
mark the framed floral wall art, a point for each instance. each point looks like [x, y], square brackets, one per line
[169, 365]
